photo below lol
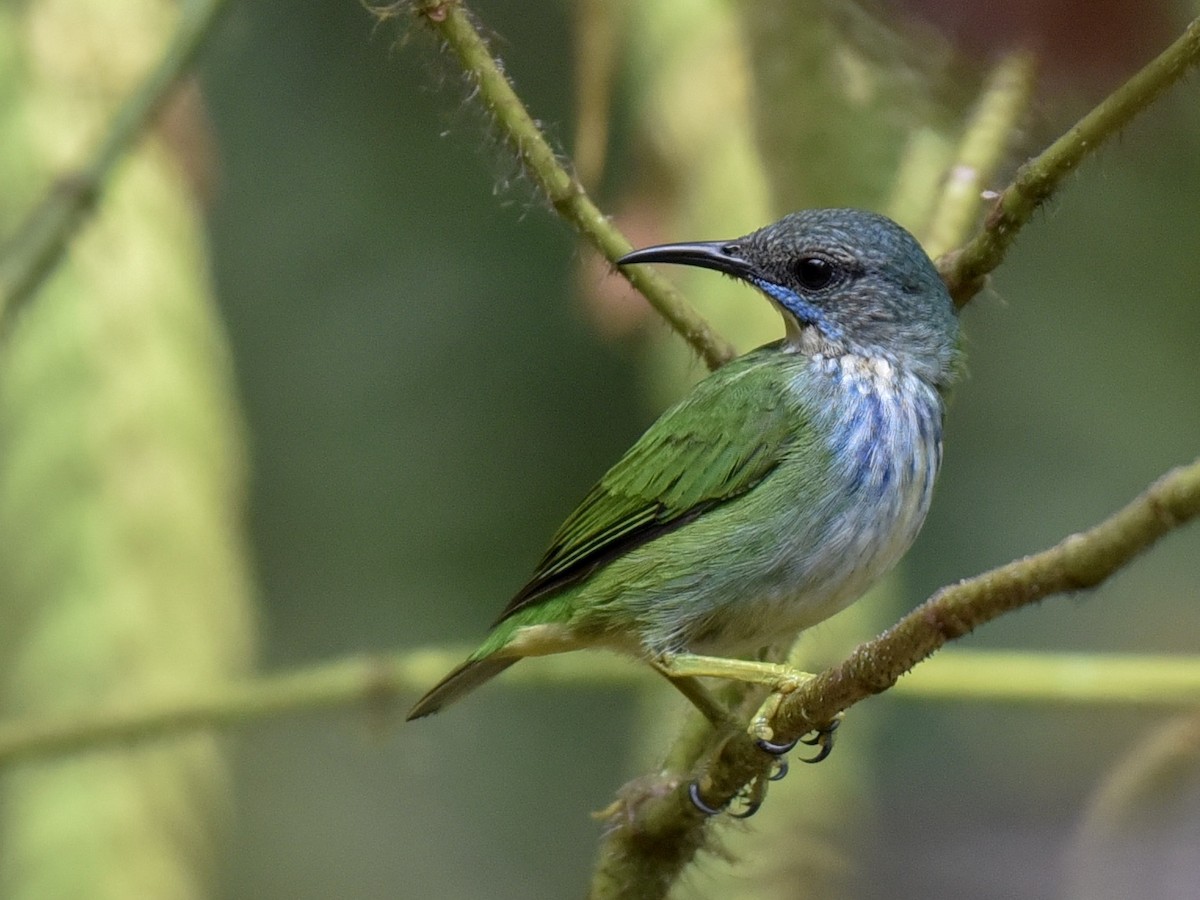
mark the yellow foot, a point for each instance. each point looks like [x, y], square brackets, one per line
[762, 723]
[781, 679]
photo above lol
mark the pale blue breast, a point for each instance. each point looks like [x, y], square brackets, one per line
[841, 525]
[886, 437]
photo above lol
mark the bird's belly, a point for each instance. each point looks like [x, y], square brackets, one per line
[804, 582]
[800, 547]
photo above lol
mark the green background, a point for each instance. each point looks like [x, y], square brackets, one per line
[426, 400]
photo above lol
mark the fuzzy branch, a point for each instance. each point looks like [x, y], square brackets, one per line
[31, 254]
[662, 836]
[965, 269]
[451, 21]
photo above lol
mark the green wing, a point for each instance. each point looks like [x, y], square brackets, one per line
[716, 444]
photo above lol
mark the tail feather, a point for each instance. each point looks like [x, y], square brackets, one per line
[460, 682]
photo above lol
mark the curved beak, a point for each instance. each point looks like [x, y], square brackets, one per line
[719, 255]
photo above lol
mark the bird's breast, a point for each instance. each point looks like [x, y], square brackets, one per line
[882, 428]
[838, 510]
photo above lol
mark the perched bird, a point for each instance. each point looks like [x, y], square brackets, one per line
[778, 490]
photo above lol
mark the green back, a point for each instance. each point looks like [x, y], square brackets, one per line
[716, 444]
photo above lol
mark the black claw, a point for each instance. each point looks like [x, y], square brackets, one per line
[775, 749]
[823, 740]
[698, 802]
[781, 770]
[822, 736]
[825, 750]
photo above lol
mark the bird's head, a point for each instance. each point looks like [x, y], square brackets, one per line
[845, 281]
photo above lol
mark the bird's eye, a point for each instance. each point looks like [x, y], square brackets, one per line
[815, 272]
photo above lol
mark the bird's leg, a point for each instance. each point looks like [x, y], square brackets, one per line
[749, 671]
[682, 670]
[781, 679]
[701, 698]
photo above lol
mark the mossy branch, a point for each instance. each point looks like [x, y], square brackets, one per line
[32, 252]
[965, 269]
[450, 20]
[664, 834]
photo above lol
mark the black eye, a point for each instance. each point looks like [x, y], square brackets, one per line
[815, 272]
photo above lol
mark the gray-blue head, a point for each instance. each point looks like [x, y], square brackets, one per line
[845, 281]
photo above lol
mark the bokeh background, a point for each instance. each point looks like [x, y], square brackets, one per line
[431, 372]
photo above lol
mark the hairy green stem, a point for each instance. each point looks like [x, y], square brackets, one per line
[31, 254]
[452, 22]
[964, 269]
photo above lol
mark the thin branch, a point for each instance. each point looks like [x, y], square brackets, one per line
[375, 683]
[596, 31]
[663, 835]
[32, 253]
[1143, 785]
[985, 143]
[1087, 679]
[371, 682]
[450, 20]
[964, 269]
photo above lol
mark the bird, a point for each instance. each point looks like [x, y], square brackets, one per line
[773, 494]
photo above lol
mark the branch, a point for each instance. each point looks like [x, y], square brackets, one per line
[33, 251]
[1108, 679]
[371, 682]
[662, 836]
[374, 683]
[1143, 785]
[983, 147]
[964, 269]
[451, 21]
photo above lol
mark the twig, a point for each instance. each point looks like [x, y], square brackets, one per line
[377, 682]
[985, 142]
[450, 20]
[964, 269]
[664, 834]
[33, 251]
[373, 682]
[1144, 785]
[596, 30]
[1108, 679]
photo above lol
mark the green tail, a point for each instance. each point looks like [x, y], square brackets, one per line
[460, 682]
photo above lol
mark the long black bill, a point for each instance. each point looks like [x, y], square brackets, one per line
[719, 255]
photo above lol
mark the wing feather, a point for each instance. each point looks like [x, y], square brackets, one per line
[716, 444]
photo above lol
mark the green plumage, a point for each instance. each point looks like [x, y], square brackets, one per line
[780, 488]
[708, 451]
[716, 444]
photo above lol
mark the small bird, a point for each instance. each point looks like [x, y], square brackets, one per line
[772, 495]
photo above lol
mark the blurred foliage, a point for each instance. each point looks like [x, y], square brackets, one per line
[426, 400]
[122, 567]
